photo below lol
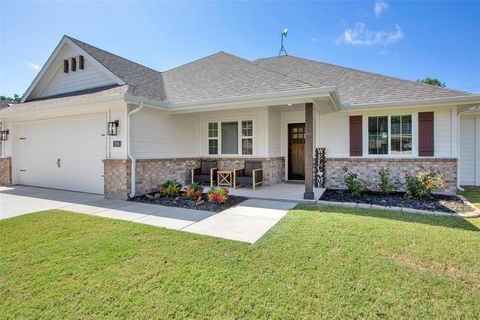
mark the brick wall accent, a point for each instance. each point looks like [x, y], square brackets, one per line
[368, 168]
[116, 178]
[152, 173]
[5, 171]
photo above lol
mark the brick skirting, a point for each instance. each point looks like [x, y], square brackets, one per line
[368, 168]
[152, 173]
[5, 171]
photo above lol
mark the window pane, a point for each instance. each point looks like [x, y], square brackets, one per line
[401, 141]
[378, 135]
[247, 128]
[212, 129]
[213, 146]
[229, 137]
[247, 146]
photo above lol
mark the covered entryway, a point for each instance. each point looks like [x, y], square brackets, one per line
[469, 164]
[62, 153]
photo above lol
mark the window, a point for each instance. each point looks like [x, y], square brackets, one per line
[230, 137]
[213, 138]
[390, 135]
[378, 135]
[74, 64]
[65, 66]
[401, 134]
[247, 137]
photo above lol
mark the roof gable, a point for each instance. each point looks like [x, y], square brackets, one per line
[52, 81]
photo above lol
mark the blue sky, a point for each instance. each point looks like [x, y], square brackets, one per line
[409, 40]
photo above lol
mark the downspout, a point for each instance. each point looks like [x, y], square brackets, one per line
[130, 153]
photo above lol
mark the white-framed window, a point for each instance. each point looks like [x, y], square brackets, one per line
[213, 138]
[247, 137]
[390, 135]
[230, 137]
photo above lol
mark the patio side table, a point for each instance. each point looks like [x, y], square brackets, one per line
[225, 178]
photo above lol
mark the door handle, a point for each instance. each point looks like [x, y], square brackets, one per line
[59, 162]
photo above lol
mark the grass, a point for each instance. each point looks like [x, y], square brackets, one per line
[473, 195]
[318, 262]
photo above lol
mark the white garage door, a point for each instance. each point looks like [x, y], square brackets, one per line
[469, 150]
[63, 153]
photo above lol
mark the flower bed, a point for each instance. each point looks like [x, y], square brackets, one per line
[442, 203]
[181, 202]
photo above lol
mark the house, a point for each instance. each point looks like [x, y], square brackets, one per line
[92, 121]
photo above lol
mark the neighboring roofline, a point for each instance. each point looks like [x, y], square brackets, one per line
[283, 97]
[413, 103]
[65, 39]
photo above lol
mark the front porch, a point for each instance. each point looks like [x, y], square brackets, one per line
[284, 191]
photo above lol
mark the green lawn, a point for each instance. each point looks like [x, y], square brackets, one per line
[322, 262]
[473, 195]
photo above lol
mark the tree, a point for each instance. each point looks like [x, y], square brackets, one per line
[433, 82]
[16, 99]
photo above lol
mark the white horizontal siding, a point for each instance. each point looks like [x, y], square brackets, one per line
[443, 133]
[90, 77]
[333, 134]
[156, 134]
[467, 150]
[274, 133]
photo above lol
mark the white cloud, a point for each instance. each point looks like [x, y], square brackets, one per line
[34, 66]
[361, 35]
[314, 39]
[380, 6]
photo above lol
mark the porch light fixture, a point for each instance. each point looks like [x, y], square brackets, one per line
[113, 128]
[4, 135]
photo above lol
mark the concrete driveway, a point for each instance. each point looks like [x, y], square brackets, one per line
[246, 222]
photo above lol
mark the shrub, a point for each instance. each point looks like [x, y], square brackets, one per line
[354, 185]
[218, 196]
[385, 185]
[170, 189]
[194, 192]
[424, 183]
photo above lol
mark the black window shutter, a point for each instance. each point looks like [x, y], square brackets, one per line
[74, 64]
[65, 66]
[81, 63]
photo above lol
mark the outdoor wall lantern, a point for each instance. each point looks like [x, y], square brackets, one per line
[4, 135]
[113, 128]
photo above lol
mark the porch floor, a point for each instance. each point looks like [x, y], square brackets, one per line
[284, 191]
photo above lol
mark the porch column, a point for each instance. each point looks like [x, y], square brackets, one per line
[308, 151]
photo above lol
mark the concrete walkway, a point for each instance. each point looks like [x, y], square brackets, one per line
[246, 222]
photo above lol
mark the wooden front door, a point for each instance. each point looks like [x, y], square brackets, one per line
[296, 151]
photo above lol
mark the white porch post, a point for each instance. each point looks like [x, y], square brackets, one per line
[308, 151]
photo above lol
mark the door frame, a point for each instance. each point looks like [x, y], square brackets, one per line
[288, 159]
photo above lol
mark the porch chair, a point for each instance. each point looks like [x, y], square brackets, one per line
[250, 174]
[206, 173]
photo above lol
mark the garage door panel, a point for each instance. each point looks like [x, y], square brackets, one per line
[64, 153]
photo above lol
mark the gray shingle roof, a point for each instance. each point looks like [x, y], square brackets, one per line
[355, 86]
[223, 75]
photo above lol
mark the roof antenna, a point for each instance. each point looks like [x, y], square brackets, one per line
[282, 48]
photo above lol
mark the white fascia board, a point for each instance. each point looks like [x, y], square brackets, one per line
[129, 98]
[286, 97]
[66, 40]
[413, 103]
[50, 106]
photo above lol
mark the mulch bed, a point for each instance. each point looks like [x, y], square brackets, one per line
[180, 202]
[443, 203]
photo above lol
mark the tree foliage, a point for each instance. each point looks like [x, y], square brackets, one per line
[433, 82]
[16, 99]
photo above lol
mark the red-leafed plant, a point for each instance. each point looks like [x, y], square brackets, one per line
[218, 196]
[194, 192]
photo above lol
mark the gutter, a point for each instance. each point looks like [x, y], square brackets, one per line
[412, 103]
[133, 175]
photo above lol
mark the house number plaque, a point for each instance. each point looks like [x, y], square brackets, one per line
[117, 143]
